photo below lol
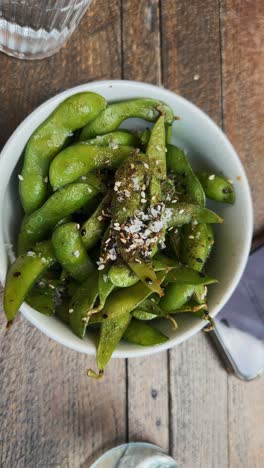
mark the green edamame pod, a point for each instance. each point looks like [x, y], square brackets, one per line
[93, 229]
[70, 251]
[62, 203]
[143, 334]
[199, 294]
[23, 273]
[125, 300]
[217, 188]
[82, 303]
[178, 164]
[195, 245]
[48, 139]
[143, 315]
[156, 149]
[110, 119]
[175, 296]
[144, 139]
[114, 139]
[185, 275]
[110, 334]
[43, 299]
[79, 159]
[185, 213]
[121, 276]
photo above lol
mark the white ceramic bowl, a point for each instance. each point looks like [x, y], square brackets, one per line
[207, 147]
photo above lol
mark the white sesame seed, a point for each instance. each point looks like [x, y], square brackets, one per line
[143, 200]
[196, 77]
[118, 183]
[70, 311]
[132, 165]
[174, 201]
[51, 286]
[191, 237]
[115, 188]
[20, 177]
[157, 162]
[137, 260]
[117, 228]
[46, 180]
[181, 211]
[146, 165]
[116, 224]
[211, 177]
[230, 181]
[83, 177]
[123, 240]
[78, 226]
[142, 194]
[31, 254]
[101, 267]
[124, 209]
[76, 253]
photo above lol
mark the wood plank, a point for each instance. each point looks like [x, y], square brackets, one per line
[246, 423]
[198, 385]
[51, 413]
[147, 377]
[243, 90]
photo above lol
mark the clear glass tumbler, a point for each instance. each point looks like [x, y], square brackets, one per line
[35, 29]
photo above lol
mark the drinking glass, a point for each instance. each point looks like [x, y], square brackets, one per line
[135, 455]
[35, 29]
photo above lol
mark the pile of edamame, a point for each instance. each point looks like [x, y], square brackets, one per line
[116, 233]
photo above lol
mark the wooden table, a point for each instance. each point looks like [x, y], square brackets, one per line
[210, 51]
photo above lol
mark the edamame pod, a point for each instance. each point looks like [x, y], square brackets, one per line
[185, 213]
[143, 334]
[217, 188]
[62, 203]
[175, 296]
[110, 119]
[48, 139]
[70, 252]
[110, 334]
[121, 276]
[79, 159]
[23, 273]
[114, 139]
[195, 245]
[82, 303]
[178, 164]
[93, 229]
[156, 150]
[44, 299]
[123, 301]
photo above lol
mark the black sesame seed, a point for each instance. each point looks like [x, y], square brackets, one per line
[105, 316]
[148, 281]
[199, 260]
[202, 275]
[83, 232]
[17, 274]
[226, 190]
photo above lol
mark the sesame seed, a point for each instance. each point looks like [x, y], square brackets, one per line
[31, 254]
[142, 194]
[76, 253]
[118, 183]
[146, 165]
[101, 267]
[20, 177]
[78, 226]
[211, 177]
[230, 181]
[124, 209]
[181, 211]
[46, 180]
[196, 77]
[51, 286]
[123, 240]
[83, 177]
[115, 188]
[191, 237]
[117, 228]
[157, 162]
[70, 311]
[174, 201]
[143, 200]
[132, 165]
[137, 260]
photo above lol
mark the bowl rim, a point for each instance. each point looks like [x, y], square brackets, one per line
[89, 348]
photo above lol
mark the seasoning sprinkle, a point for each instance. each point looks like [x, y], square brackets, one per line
[20, 177]
[211, 177]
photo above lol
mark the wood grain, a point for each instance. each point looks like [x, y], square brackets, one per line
[52, 415]
[198, 386]
[147, 377]
[243, 90]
